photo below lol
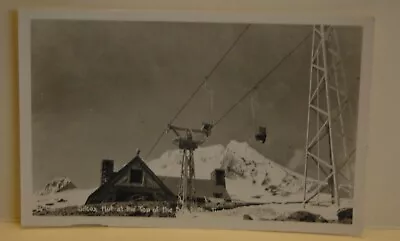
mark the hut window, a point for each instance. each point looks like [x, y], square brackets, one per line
[136, 176]
[219, 177]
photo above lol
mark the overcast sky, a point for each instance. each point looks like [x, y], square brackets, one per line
[102, 89]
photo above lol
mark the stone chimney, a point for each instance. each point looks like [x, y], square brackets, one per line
[107, 170]
[218, 176]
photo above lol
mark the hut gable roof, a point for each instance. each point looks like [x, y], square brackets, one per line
[117, 177]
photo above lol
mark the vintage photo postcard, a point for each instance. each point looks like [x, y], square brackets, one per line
[193, 120]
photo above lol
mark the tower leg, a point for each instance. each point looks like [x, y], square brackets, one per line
[191, 188]
[182, 196]
[320, 102]
[186, 195]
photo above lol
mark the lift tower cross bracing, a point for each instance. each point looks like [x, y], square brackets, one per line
[187, 144]
[327, 143]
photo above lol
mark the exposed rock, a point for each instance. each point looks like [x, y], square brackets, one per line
[57, 185]
[302, 216]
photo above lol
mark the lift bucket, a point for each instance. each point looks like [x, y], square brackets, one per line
[261, 135]
[206, 128]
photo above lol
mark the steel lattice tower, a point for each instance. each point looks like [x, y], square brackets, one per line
[187, 144]
[186, 195]
[327, 143]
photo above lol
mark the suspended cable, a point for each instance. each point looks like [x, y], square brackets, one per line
[262, 79]
[156, 143]
[199, 87]
[254, 108]
[210, 74]
[228, 51]
[210, 94]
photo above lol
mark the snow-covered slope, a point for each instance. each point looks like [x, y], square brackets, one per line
[58, 193]
[73, 197]
[206, 160]
[252, 176]
[249, 175]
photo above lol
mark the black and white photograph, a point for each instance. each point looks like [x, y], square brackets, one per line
[232, 122]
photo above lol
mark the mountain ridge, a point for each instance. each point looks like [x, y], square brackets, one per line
[249, 175]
